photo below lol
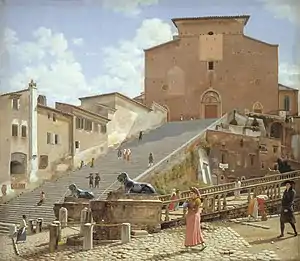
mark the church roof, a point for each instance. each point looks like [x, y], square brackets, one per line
[246, 17]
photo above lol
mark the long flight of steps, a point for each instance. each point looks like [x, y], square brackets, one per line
[161, 142]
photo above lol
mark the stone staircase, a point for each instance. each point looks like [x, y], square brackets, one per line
[161, 142]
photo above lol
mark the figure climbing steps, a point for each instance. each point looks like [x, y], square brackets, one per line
[161, 142]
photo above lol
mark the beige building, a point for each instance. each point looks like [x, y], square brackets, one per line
[89, 132]
[128, 116]
[36, 141]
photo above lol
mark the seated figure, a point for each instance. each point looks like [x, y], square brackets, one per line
[132, 186]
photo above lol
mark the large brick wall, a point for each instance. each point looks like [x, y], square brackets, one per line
[245, 71]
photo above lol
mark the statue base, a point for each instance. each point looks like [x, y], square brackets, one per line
[142, 211]
[74, 207]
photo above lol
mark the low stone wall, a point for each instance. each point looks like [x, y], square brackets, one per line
[74, 209]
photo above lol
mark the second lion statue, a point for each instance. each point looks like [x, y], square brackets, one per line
[132, 186]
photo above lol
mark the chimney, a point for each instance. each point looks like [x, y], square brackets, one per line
[42, 100]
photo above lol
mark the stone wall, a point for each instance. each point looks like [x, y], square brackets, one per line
[182, 174]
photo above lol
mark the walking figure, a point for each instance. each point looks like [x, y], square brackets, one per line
[124, 154]
[128, 154]
[91, 180]
[92, 163]
[141, 135]
[287, 208]
[119, 154]
[42, 198]
[151, 160]
[21, 234]
[97, 180]
[81, 164]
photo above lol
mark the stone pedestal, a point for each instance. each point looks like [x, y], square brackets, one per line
[31, 226]
[125, 233]
[53, 237]
[63, 217]
[58, 230]
[142, 211]
[88, 236]
[73, 208]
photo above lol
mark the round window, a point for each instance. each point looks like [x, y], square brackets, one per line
[210, 33]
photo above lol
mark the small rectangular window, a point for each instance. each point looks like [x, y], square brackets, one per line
[54, 117]
[96, 127]
[210, 66]
[56, 139]
[103, 129]
[14, 130]
[15, 103]
[24, 131]
[49, 138]
[252, 159]
[77, 144]
[49, 116]
[275, 149]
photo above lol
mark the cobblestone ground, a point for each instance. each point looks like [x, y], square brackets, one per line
[223, 244]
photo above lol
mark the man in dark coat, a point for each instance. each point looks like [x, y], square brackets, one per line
[287, 208]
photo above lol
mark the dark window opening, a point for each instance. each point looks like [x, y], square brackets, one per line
[24, 131]
[210, 33]
[14, 130]
[48, 138]
[15, 103]
[210, 66]
[252, 160]
[77, 144]
[54, 117]
[56, 139]
[103, 129]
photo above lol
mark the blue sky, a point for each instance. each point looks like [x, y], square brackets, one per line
[103, 42]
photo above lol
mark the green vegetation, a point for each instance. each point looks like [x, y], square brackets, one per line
[181, 176]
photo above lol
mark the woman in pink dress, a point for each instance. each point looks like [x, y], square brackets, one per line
[193, 236]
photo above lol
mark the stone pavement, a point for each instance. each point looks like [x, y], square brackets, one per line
[223, 244]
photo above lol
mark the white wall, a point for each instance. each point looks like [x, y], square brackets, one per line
[129, 119]
[202, 174]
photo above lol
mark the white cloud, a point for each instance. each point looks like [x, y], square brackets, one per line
[78, 41]
[129, 7]
[48, 60]
[289, 75]
[284, 9]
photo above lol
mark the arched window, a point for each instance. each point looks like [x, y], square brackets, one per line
[286, 103]
[210, 33]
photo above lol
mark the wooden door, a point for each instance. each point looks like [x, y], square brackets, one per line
[211, 111]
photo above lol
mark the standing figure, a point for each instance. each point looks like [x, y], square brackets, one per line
[124, 154]
[237, 192]
[141, 135]
[287, 208]
[193, 236]
[173, 197]
[42, 198]
[151, 160]
[91, 180]
[21, 234]
[92, 163]
[128, 154]
[177, 197]
[81, 164]
[97, 180]
[119, 154]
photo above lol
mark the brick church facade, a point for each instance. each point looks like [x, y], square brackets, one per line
[211, 67]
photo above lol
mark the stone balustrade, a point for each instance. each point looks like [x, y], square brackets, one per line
[245, 183]
[217, 202]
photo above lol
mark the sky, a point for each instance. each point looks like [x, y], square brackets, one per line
[76, 48]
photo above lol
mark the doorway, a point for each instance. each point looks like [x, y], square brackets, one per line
[211, 105]
[18, 163]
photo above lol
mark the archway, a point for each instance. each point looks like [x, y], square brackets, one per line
[257, 107]
[211, 105]
[276, 130]
[18, 163]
